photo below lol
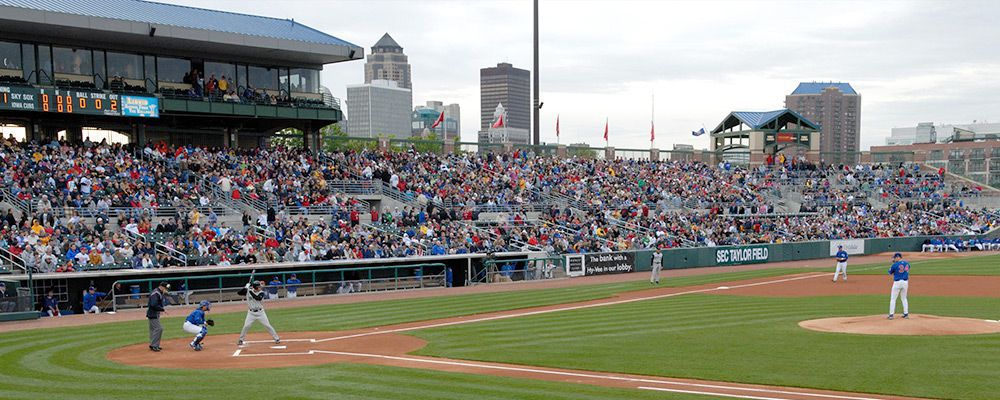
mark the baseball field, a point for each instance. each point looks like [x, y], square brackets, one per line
[711, 333]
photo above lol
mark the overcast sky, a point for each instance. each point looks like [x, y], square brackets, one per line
[912, 61]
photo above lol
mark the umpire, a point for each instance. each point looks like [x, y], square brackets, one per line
[155, 307]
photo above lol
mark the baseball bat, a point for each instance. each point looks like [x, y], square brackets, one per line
[252, 272]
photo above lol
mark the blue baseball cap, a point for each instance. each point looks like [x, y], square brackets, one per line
[205, 303]
[900, 255]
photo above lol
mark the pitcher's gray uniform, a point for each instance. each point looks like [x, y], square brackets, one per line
[657, 266]
[255, 296]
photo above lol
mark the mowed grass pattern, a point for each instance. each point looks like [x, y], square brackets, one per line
[986, 265]
[50, 366]
[70, 362]
[744, 339]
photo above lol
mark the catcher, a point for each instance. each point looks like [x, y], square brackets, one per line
[197, 324]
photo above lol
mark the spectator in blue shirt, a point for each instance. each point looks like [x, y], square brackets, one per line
[437, 249]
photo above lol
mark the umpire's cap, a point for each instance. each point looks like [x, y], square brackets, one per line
[164, 284]
[205, 303]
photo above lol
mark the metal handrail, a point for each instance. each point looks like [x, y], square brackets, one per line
[23, 206]
[160, 248]
[398, 233]
[227, 293]
[353, 186]
[521, 244]
[9, 258]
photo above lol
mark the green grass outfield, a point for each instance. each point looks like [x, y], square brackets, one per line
[715, 337]
[988, 265]
[744, 339]
[70, 362]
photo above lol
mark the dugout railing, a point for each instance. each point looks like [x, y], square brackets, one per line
[224, 287]
[530, 269]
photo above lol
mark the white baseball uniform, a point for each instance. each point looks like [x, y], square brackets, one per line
[256, 313]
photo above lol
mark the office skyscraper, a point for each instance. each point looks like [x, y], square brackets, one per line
[378, 108]
[509, 86]
[836, 107]
[388, 62]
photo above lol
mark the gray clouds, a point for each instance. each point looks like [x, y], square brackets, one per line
[912, 61]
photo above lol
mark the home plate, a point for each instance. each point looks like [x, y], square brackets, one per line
[279, 347]
[723, 288]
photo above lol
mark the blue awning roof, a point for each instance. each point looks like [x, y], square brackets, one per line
[818, 87]
[763, 120]
[185, 17]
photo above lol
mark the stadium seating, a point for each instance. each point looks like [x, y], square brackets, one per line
[228, 206]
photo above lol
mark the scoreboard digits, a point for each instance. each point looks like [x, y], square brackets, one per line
[17, 98]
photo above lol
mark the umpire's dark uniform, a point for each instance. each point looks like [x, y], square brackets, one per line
[155, 306]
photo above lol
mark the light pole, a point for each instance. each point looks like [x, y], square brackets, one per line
[537, 105]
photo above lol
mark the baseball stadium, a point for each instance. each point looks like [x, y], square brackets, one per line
[178, 220]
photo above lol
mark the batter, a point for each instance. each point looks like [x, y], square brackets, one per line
[255, 296]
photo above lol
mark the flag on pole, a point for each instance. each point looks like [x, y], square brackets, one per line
[438, 121]
[652, 131]
[605, 129]
[557, 125]
[698, 132]
[499, 123]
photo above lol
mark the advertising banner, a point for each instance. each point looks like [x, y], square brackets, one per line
[609, 263]
[134, 106]
[852, 246]
[741, 255]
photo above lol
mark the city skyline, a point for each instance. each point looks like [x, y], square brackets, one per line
[702, 60]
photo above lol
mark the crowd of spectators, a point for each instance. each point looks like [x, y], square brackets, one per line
[90, 204]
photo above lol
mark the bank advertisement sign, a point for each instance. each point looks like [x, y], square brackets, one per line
[609, 263]
[741, 255]
[853, 246]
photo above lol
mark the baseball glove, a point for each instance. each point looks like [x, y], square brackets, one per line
[210, 322]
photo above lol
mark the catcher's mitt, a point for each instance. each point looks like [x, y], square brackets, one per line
[210, 322]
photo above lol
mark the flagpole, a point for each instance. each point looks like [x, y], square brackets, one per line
[607, 137]
[557, 130]
[652, 119]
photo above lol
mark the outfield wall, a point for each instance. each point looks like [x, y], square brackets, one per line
[738, 255]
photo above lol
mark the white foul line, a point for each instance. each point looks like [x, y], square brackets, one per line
[738, 396]
[593, 376]
[574, 374]
[568, 308]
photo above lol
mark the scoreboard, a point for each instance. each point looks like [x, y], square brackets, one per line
[83, 102]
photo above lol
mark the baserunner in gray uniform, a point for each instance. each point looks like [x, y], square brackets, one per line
[255, 296]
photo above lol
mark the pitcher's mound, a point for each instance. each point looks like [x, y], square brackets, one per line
[917, 325]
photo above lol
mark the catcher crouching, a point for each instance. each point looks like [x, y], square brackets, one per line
[197, 325]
